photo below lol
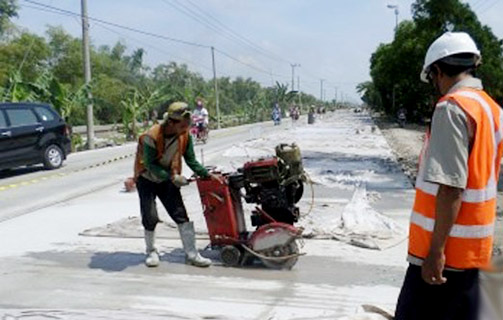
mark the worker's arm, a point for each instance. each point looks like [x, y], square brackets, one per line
[190, 159]
[447, 208]
[150, 161]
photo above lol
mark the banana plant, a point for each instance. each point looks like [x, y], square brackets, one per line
[136, 107]
[15, 89]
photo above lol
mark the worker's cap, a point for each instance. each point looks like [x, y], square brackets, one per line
[177, 111]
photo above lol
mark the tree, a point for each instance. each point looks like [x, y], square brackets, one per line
[26, 54]
[8, 9]
[369, 94]
[395, 67]
[49, 69]
[436, 17]
[137, 107]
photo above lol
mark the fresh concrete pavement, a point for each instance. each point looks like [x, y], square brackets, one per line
[48, 269]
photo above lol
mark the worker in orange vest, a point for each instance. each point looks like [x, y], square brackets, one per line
[157, 174]
[452, 221]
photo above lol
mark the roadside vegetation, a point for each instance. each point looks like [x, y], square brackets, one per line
[395, 66]
[124, 89]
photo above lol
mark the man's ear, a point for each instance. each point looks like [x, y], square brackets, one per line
[438, 72]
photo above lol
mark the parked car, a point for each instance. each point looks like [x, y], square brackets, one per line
[32, 133]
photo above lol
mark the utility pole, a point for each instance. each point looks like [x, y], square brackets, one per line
[393, 97]
[395, 7]
[293, 65]
[335, 94]
[216, 87]
[87, 74]
[321, 89]
[298, 89]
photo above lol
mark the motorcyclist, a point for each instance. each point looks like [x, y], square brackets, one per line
[201, 115]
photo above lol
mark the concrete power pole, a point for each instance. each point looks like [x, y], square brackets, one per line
[321, 89]
[87, 74]
[293, 65]
[298, 90]
[216, 87]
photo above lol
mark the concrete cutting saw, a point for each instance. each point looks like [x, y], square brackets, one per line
[275, 184]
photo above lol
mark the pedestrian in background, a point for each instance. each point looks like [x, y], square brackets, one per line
[452, 221]
[158, 174]
[276, 114]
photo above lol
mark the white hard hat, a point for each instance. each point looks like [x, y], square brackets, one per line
[448, 44]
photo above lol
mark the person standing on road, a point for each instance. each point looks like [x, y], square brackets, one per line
[276, 114]
[452, 221]
[158, 167]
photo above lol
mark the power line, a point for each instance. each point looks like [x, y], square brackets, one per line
[147, 33]
[489, 7]
[241, 38]
[248, 65]
[153, 47]
[97, 23]
[211, 25]
[60, 11]
[480, 4]
[477, 2]
[56, 10]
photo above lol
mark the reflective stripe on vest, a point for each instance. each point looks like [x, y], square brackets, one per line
[458, 231]
[470, 240]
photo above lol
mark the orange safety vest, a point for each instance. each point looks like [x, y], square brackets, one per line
[157, 134]
[470, 241]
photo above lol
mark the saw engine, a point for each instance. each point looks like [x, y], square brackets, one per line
[275, 184]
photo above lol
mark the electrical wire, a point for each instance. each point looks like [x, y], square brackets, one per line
[489, 6]
[249, 65]
[48, 8]
[147, 33]
[237, 35]
[221, 31]
[56, 10]
[154, 47]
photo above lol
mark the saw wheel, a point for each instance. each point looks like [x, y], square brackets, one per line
[281, 251]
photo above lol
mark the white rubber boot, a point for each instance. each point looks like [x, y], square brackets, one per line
[152, 259]
[188, 236]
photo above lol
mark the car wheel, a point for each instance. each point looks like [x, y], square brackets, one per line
[53, 157]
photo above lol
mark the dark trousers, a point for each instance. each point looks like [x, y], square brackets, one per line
[457, 299]
[170, 197]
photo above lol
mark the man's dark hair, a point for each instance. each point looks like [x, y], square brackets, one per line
[457, 64]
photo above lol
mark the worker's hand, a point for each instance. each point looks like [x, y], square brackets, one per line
[179, 180]
[218, 178]
[433, 267]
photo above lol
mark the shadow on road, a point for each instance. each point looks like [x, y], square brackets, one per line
[115, 261]
[119, 261]
[9, 173]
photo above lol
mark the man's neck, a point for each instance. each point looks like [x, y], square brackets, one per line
[169, 131]
[451, 82]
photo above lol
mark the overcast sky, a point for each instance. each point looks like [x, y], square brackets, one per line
[330, 39]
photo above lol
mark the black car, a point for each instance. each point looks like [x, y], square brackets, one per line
[32, 133]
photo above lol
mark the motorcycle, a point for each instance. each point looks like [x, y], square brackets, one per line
[198, 129]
